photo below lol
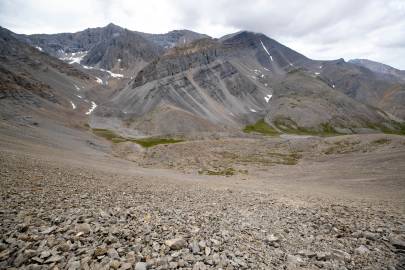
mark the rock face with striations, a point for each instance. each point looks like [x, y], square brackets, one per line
[186, 82]
[222, 85]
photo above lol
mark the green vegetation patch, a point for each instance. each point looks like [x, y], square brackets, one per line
[272, 158]
[381, 141]
[149, 142]
[219, 171]
[261, 127]
[390, 127]
[287, 125]
[106, 134]
[145, 142]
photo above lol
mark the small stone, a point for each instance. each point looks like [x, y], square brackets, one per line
[65, 247]
[114, 264]
[306, 253]
[195, 247]
[361, 250]
[100, 251]
[216, 258]
[126, 266]
[37, 259]
[83, 228]
[176, 244]
[4, 255]
[21, 258]
[291, 259]
[340, 255]
[74, 265]
[45, 254]
[112, 253]
[323, 256]
[398, 243]
[130, 257]
[370, 236]
[48, 230]
[199, 266]
[140, 266]
[272, 238]
[53, 259]
[207, 251]
[202, 244]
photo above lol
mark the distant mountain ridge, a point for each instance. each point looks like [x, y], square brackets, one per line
[186, 82]
[111, 47]
[379, 67]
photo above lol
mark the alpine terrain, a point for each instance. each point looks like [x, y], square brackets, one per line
[128, 150]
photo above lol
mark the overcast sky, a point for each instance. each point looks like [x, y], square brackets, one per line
[320, 29]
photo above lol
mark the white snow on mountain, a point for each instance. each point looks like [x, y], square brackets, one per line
[267, 98]
[73, 105]
[264, 47]
[75, 57]
[93, 106]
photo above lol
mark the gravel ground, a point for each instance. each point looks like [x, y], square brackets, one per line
[58, 215]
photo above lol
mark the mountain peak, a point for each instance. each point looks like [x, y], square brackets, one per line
[112, 26]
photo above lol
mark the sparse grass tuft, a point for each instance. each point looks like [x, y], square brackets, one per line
[106, 134]
[381, 141]
[146, 142]
[220, 171]
[150, 142]
[261, 127]
[287, 125]
[398, 128]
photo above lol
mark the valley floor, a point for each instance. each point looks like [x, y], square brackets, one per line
[67, 203]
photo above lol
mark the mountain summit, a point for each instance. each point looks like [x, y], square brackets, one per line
[186, 82]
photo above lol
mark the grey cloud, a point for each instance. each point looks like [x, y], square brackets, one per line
[327, 29]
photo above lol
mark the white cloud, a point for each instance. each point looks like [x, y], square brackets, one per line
[328, 29]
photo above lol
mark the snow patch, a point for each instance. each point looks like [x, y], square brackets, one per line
[73, 105]
[317, 73]
[79, 96]
[266, 69]
[75, 57]
[115, 75]
[100, 81]
[267, 98]
[93, 106]
[264, 47]
[253, 110]
[77, 87]
[320, 66]
[39, 48]
[333, 86]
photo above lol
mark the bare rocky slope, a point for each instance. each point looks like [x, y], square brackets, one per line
[183, 82]
[226, 84]
[34, 82]
[73, 197]
[111, 47]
